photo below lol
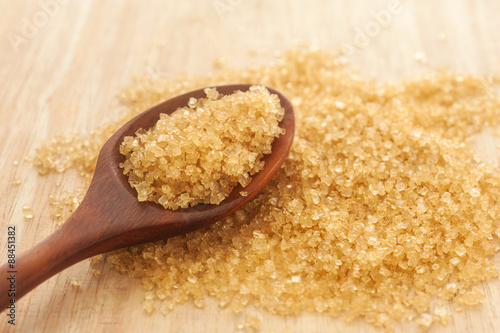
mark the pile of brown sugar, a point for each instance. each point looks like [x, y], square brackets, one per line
[381, 210]
[199, 153]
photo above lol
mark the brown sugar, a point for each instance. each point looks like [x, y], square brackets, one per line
[16, 181]
[381, 210]
[199, 153]
[27, 212]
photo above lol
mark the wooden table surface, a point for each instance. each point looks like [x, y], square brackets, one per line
[62, 63]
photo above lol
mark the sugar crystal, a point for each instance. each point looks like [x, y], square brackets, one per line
[28, 212]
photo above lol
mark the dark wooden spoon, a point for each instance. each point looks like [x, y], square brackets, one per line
[110, 217]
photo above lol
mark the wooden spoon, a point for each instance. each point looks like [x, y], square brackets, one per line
[110, 217]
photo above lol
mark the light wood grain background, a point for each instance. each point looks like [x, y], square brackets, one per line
[65, 73]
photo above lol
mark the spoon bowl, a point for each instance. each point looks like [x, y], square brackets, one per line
[110, 216]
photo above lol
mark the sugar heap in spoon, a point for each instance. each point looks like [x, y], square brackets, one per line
[199, 153]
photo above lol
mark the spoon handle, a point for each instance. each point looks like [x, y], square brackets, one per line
[57, 252]
[107, 219]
